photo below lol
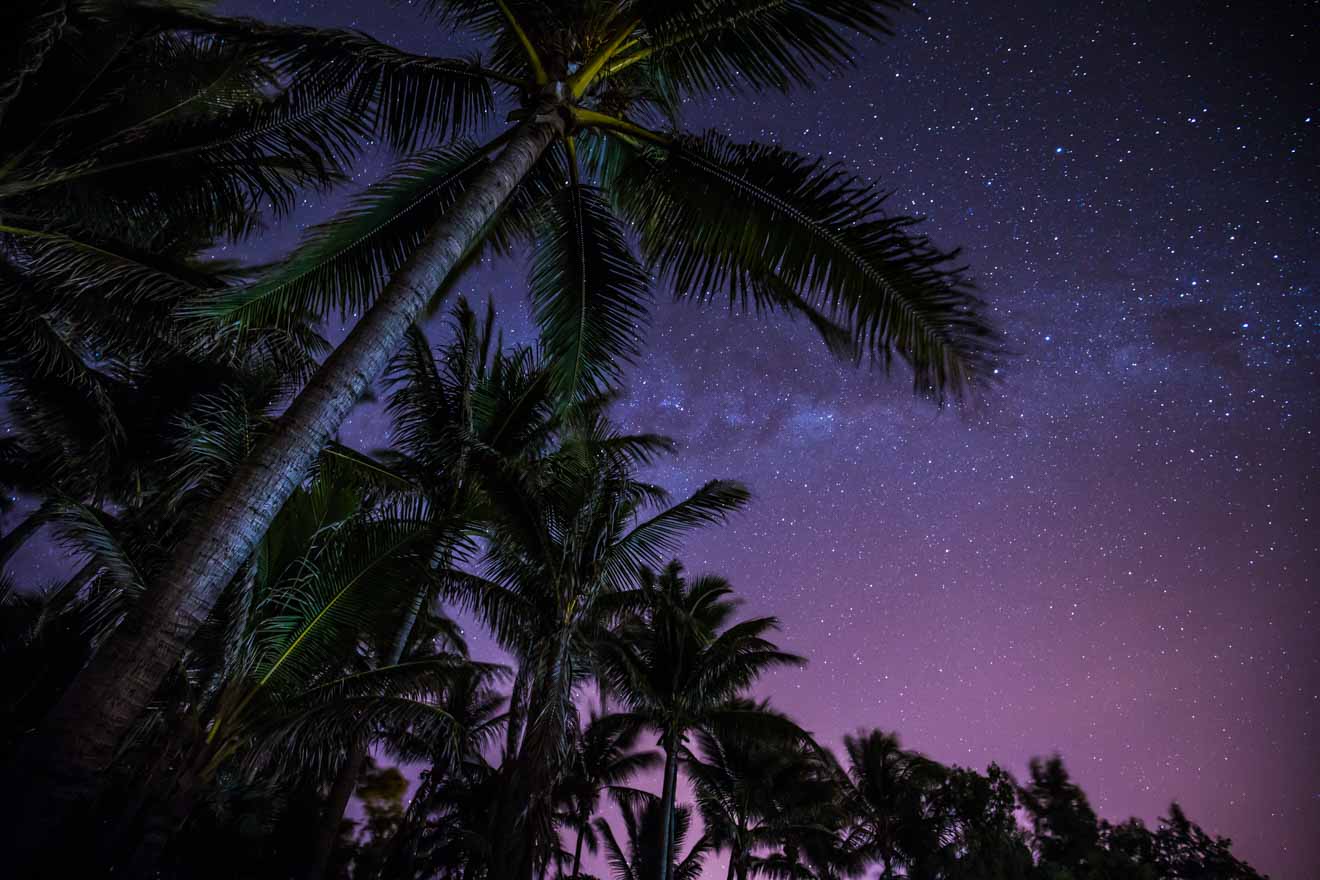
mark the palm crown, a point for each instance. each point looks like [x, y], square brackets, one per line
[626, 196]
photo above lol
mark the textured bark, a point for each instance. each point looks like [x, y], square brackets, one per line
[58, 766]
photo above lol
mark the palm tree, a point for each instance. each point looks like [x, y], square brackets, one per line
[682, 664]
[291, 682]
[447, 822]
[584, 162]
[757, 792]
[564, 541]
[455, 412]
[887, 800]
[603, 760]
[642, 856]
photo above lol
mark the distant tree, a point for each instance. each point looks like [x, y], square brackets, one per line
[605, 757]
[648, 838]
[888, 800]
[978, 833]
[1066, 829]
[1073, 844]
[683, 663]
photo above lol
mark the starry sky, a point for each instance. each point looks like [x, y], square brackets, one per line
[1117, 557]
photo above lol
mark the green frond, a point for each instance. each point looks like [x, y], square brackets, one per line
[718, 216]
[589, 295]
[335, 597]
[343, 263]
[710, 45]
[654, 539]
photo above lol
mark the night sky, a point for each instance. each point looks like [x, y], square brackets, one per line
[1117, 558]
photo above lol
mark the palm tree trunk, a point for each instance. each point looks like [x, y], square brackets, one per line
[577, 850]
[332, 817]
[58, 765]
[327, 832]
[667, 798]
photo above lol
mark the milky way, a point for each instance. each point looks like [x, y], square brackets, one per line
[1116, 557]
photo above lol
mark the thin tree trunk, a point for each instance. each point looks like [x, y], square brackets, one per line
[327, 833]
[577, 850]
[58, 765]
[667, 797]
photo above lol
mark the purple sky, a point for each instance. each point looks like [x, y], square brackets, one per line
[1117, 560]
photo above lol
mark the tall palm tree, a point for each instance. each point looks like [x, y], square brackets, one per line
[564, 541]
[641, 856]
[457, 413]
[683, 664]
[604, 758]
[596, 149]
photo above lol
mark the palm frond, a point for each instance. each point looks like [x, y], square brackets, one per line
[747, 218]
[589, 295]
[709, 45]
[343, 263]
[408, 100]
[652, 540]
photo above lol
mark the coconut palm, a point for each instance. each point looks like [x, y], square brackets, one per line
[888, 802]
[446, 823]
[564, 540]
[595, 150]
[765, 793]
[603, 760]
[682, 664]
[457, 413]
[293, 680]
[641, 856]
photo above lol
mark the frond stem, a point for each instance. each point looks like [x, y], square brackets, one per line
[693, 33]
[533, 58]
[579, 81]
[594, 119]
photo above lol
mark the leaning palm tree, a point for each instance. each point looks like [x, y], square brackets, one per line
[596, 149]
[683, 664]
